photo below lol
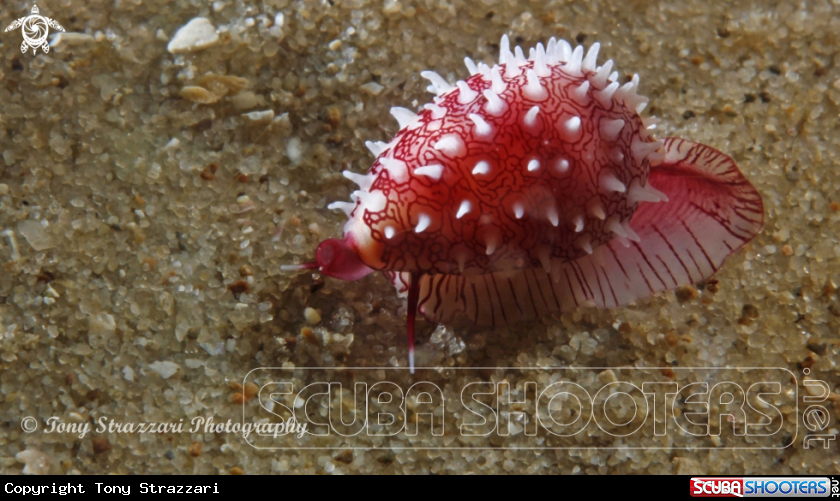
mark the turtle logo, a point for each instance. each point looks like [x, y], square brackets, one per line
[35, 29]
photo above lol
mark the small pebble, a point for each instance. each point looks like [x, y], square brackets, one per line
[196, 35]
[688, 466]
[100, 445]
[239, 287]
[686, 293]
[312, 316]
[372, 88]
[749, 311]
[237, 471]
[102, 324]
[35, 235]
[4, 189]
[35, 462]
[309, 336]
[391, 7]
[209, 172]
[70, 39]
[712, 285]
[194, 449]
[251, 390]
[334, 116]
[172, 144]
[259, 117]
[345, 457]
[607, 376]
[293, 150]
[198, 95]
[165, 369]
[222, 85]
[815, 389]
[245, 101]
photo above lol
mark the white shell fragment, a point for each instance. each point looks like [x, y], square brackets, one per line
[259, 117]
[70, 39]
[198, 34]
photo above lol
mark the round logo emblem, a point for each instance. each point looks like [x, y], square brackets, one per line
[35, 29]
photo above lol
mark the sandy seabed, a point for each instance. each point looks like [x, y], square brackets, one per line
[148, 200]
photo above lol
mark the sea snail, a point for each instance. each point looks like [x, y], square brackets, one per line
[533, 186]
